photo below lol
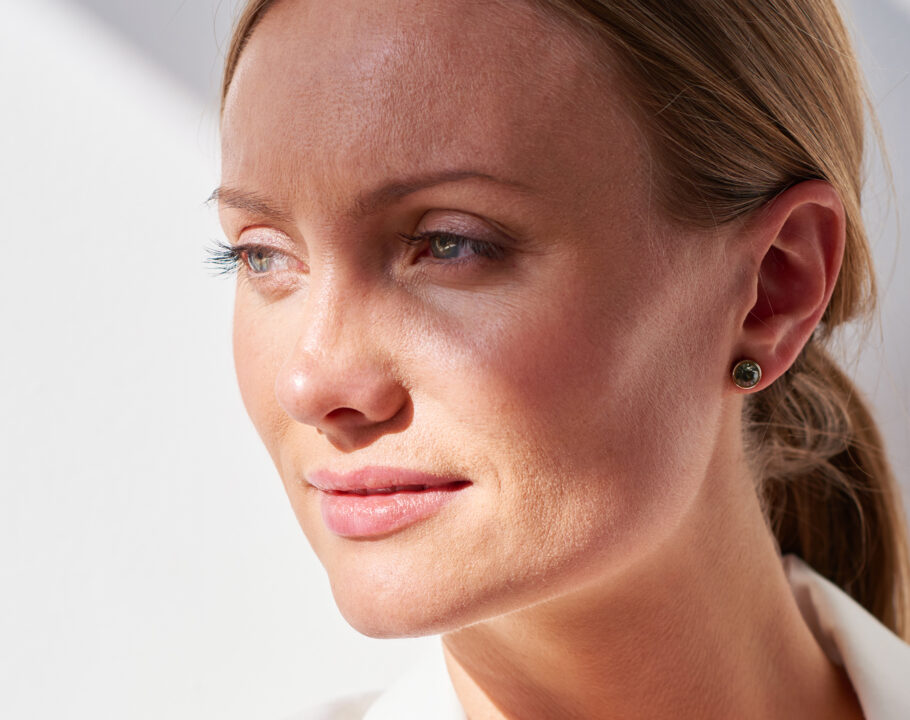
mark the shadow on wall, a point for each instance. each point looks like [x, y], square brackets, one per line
[186, 37]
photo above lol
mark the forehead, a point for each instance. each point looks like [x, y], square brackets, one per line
[326, 93]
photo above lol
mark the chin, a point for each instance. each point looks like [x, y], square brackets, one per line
[398, 594]
[395, 613]
[391, 597]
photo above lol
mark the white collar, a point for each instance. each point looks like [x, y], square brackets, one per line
[424, 692]
[877, 661]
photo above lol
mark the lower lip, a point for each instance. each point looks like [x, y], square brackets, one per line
[364, 516]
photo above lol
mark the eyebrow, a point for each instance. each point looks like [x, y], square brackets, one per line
[366, 203]
[249, 202]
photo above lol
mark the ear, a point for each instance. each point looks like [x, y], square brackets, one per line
[796, 243]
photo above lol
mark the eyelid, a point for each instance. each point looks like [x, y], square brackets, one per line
[270, 239]
[250, 235]
[462, 224]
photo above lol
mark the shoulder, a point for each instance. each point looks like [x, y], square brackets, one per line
[348, 708]
[876, 660]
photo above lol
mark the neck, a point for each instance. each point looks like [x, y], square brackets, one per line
[704, 627]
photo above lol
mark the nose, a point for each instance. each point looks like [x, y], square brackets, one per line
[339, 379]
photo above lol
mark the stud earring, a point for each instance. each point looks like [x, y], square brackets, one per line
[747, 374]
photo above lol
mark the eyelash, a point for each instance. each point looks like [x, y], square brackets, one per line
[226, 259]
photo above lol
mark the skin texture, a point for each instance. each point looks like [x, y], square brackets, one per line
[609, 558]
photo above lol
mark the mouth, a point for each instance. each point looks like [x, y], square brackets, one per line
[375, 502]
[366, 492]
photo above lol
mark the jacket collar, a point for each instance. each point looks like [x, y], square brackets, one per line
[875, 659]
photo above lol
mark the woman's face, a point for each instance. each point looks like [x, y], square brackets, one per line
[559, 374]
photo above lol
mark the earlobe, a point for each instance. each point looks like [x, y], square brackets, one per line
[799, 237]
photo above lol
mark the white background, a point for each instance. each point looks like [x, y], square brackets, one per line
[150, 566]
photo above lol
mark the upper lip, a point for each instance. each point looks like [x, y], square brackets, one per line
[380, 479]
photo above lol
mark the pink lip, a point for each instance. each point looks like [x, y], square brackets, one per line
[377, 501]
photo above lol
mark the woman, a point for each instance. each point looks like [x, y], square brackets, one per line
[530, 317]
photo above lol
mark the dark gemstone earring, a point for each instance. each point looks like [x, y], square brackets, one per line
[747, 374]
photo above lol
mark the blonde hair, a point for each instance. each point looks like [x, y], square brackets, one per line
[739, 101]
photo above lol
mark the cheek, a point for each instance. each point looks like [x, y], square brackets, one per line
[258, 354]
[592, 392]
[575, 363]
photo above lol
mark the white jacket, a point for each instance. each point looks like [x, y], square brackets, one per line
[876, 661]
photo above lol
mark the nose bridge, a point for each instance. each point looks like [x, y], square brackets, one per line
[329, 315]
[339, 375]
[335, 334]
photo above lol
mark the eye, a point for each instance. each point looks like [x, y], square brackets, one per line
[263, 260]
[451, 246]
[446, 247]
[273, 273]
[253, 257]
[270, 271]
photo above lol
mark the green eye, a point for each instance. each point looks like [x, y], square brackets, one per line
[446, 247]
[449, 246]
[259, 261]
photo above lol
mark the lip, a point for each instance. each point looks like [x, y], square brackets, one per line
[376, 501]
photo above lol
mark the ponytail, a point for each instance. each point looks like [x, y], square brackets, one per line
[828, 493]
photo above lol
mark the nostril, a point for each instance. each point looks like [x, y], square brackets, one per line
[349, 429]
[345, 414]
